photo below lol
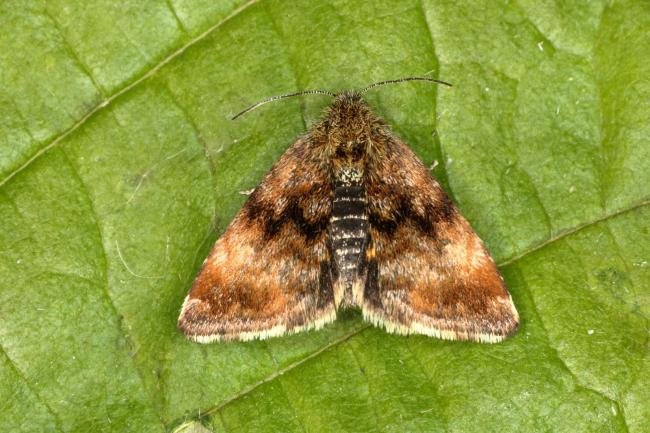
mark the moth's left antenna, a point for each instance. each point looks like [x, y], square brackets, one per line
[278, 97]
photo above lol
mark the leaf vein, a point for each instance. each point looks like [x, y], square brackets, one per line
[217, 408]
[578, 383]
[178, 20]
[290, 63]
[72, 52]
[561, 234]
[22, 377]
[109, 100]
[106, 290]
[371, 394]
[441, 402]
[287, 395]
[197, 133]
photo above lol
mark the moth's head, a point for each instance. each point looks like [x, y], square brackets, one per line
[347, 131]
[348, 115]
[348, 100]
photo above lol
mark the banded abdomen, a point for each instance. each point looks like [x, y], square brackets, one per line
[348, 239]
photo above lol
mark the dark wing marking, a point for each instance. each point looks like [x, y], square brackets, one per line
[269, 274]
[428, 272]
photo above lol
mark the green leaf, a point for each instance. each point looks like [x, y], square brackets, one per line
[119, 167]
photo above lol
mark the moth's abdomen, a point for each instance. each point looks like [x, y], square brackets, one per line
[348, 240]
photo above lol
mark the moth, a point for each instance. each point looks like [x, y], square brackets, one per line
[348, 217]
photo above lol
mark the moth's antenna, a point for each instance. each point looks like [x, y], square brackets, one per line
[401, 80]
[278, 97]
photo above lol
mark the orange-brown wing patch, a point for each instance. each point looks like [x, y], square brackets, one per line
[428, 272]
[269, 273]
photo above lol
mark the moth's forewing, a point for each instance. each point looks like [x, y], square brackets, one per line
[264, 277]
[428, 272]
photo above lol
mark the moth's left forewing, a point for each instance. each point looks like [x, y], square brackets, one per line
[428, 272]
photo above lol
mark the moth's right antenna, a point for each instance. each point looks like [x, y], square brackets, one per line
[278, 97]
[401, 80]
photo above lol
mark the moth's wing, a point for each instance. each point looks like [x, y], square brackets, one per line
[269, 273]
[428, 272]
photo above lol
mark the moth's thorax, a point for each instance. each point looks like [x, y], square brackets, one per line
[348, 161]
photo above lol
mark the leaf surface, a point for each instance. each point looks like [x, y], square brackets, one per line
[119, 167]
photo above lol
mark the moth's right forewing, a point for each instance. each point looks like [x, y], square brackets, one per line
[269, 273]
